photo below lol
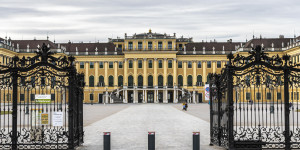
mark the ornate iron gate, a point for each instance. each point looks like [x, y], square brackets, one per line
[255, 103]
[41, 102]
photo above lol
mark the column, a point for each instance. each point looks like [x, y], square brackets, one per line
[106, 73]
[155, 73]
[184, 75]
[135, 81]
[194, 73]
[126, 96]
[175, 72]
[175, 96]
[165, 72]
[86, 73]
[214, 66]
[125, 78]
[116, 74]
[165, 95]
[155, 96]
[143, 96]
[194, 96]
[145, 71]
[204, 72]
[146, 94]
[96, 66]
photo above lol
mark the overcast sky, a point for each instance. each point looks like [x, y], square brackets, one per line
[93, 20]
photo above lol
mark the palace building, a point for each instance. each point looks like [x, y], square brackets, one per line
[149, 67]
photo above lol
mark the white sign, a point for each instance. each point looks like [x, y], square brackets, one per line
[43, 99]
[57, 119]
[206, 91]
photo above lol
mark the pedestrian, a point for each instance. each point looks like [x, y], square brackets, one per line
[186, 106]
[183, 106]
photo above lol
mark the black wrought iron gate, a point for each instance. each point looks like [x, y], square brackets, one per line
[41, 102]
[255, 103]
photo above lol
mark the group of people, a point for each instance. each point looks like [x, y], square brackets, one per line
[184, 106]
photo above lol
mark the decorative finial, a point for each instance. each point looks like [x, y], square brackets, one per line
[150, 31]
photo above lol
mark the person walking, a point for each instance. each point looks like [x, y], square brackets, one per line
[183, 106]
[186, 106]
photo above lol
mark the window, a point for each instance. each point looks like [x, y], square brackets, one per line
[32, 97]
[120, 64]
[150, 81]
[130, 45]
[190, 80]
[111, 81]
[91, 81]
[149, 45]
[258, 96]
[160, 80]
[91, 64]
[169, 63]
[150, 64]
[180, 47]
[22, 97]
[180, 80]
[52, 97]
[120, 47]
[208, 79]
[208, 64]
[170, 81]
[159, 63]
[130, 81]
[179, 64]
[268, 96]
[169, 45]
[248, 96]
[278, 96]
[199, 80]
[199, 64]
[81, 65]
[160, 45]
[120, 81]
[91, 97]
[189, 64]
[218, 64]
[101, 81]
[140, 63]
[130, 63]
[101, 64]
[111, 64]
[140, 81]
[140, 45]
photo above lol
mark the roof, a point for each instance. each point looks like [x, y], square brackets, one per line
[213, 46]
[270, 42]
[32, 44]
[90, 47]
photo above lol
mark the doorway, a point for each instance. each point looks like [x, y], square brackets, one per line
[150, 97]
[140, 98]
[160, 97]
[200, 97]
[170, 96]
[130, 97]
[100, 98]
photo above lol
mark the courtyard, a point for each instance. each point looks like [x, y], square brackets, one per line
[130, 123]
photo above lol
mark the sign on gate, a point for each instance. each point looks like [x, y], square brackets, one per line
[206, 91]
[44, 119]
[43, 99]
[57, 118]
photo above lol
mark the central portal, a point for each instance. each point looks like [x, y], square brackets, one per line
[150, 97]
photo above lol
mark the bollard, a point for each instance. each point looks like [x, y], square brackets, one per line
[151, 140]
[106, 140]
[196, 140]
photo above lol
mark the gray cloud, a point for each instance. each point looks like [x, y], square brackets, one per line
[86, 20]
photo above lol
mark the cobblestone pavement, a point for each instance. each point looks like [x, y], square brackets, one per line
[130, 123]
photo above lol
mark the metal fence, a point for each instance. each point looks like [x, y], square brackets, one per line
[41, 103]
[255, 101]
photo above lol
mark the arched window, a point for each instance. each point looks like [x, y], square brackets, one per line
[170, 81]
[130, 80]
[208, 80]
[160, 80]
[140, 81]
[199, 80]
[101, 81]
[91, 81]
[110, 81]
[180, 80]
[150, 81]
[120, 81]
[190, 80]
